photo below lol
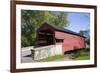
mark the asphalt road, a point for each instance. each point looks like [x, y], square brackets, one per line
[26, 56]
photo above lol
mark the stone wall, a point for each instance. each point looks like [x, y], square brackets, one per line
[46, 51]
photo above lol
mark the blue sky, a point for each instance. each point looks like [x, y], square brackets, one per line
[78, 21]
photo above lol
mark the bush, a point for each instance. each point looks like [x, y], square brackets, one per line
[82, 54]
[24, 41]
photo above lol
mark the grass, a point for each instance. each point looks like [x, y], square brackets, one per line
[51, 58]
[82, 55]
[82, 58]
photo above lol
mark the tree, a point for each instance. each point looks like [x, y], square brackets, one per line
[32, 19]
[86, 33]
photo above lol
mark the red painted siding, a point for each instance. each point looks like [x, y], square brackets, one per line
[70, 41]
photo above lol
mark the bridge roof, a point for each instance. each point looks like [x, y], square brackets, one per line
[53, 27]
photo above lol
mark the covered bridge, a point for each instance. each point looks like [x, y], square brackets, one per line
[48, 34]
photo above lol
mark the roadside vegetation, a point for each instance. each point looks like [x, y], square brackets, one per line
[83, 54]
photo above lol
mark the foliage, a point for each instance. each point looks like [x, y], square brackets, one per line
[86, 33]
[31, 20]
[83, 54]
[24, 41]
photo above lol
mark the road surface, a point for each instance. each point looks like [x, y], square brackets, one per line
[26, 56]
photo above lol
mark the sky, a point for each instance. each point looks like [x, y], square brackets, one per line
[78, 21]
